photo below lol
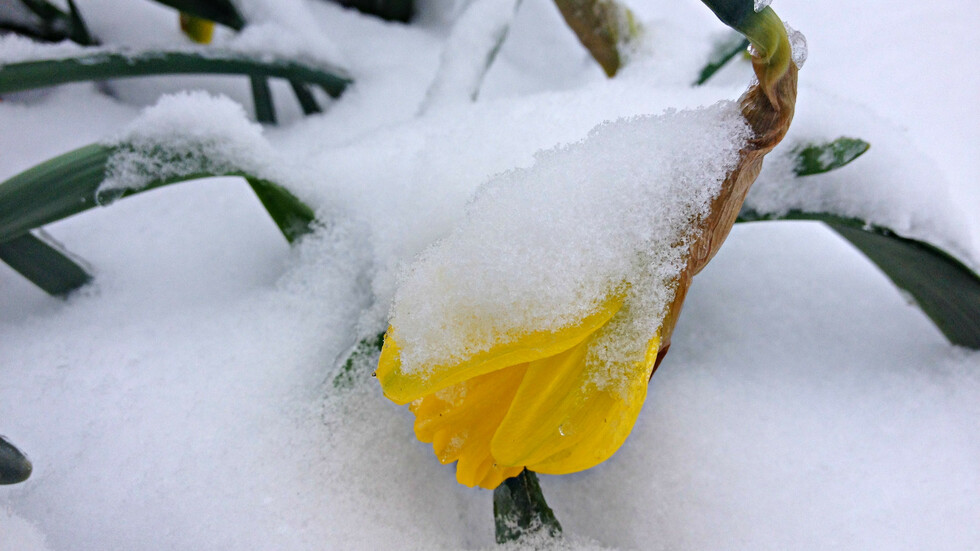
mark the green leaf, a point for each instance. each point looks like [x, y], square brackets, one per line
[58, 24]
[265, 111]
[28, 75]
[946, 290]
[223, 12]
[305, 98]
[723, 52]
[14, 465]
[44, 9]
[293, 217]
[819, 158]
[45, 263]
[52, 190]
[69, 184]
[519, 509]
[733, 13]
[364, 354]
[78, 30]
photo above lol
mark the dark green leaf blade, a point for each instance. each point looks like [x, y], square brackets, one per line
[723, 52]
[28, 75]
[293, 217]
[223, 12]
[45, 263]
[14, 465]
[265, 111]
[52, 190]
[519, 509]
[77, 29]
[391, 10]
[819, 158]
[946, 290]
[364, 353]
[305, 98]
[69, 184]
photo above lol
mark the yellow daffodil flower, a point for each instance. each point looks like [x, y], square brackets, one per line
[528, 400]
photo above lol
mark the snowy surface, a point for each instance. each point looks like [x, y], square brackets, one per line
[544, 247]
[185, 399]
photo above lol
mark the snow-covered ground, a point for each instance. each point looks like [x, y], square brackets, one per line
[184, 400]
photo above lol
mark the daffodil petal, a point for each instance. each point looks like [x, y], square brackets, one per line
[403, 387]
[560, 422]
[460, 422]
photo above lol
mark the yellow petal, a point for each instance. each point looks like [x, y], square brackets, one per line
[402, 387]
[560, 422]
[197, 29]
[460, 421]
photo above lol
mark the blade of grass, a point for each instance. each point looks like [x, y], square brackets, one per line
[519, 509]
[723, 52]
[28, 75]
[45, 263]
[265, 111]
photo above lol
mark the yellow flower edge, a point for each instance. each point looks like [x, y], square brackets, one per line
[197, 29]
[526, 404]
[403, 387]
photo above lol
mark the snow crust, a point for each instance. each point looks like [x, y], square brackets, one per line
[469, 51]
[17, 534]
[188, 133]
[543, 247]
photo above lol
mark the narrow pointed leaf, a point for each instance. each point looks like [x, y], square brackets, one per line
[223, 12]
[305, 98]
[45, 263]
[44, 9]
[391, 10]
[943, 287]
[723, 52]
[69, 184]
[946, 290]
[14, 465]
[28, 75]
[819, 158]
[519, 509]
[78, 30]
[52, 190]
[363, 355]
[293, 217]
[265, 111]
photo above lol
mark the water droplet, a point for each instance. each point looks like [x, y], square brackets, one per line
[561, 430]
